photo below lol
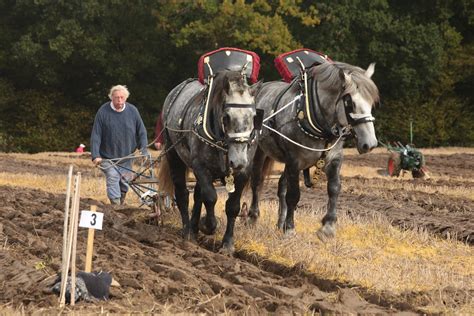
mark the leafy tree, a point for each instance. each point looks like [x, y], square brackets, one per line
[413, 45]
[201, 26]
[59, 58]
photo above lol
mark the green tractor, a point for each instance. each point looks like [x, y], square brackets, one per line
[406, 158]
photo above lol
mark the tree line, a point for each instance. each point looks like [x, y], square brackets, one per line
[59, 58]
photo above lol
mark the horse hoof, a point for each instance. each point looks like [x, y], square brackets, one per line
[290, 232]
[205, 229]
[193, 237]
[186, 235]
[252, 220]
[326, 232]
[227, 249]
[281, 225]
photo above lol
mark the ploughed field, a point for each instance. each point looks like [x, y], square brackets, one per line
[409, 225]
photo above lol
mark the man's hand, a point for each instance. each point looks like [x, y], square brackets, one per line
[97, 161]
[158, 145]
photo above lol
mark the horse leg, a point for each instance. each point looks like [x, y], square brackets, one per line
[307, 178]
[232, 209]
[209, 197]
[282, 206]
[255, 183]
[292, 197]
[178, 176]
[328, 230]
[196, 213]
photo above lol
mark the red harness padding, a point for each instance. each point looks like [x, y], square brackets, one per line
[229, 58]
[289, 67]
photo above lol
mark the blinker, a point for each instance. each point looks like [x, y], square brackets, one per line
[258, 119]
[248, 136]
[348, 104]
[352, 118]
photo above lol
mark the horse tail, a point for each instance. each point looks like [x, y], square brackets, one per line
[165, 182]
[266, 169]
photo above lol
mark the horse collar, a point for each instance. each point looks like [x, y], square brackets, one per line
[309, 114]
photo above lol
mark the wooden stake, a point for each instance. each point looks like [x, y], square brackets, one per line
[90, 244]
[74, 239]
[65, 258]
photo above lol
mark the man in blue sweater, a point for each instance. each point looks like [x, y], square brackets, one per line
[117, 132]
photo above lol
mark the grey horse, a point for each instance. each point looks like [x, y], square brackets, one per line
[307, 121]
[214, 133]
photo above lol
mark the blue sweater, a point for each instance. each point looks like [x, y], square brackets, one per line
[117, 134]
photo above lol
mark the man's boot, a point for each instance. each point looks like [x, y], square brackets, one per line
[115, 201]
[122, 198]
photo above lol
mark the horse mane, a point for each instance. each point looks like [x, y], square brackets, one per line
[329, 76]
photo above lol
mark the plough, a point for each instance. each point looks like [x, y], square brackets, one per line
[141, 180]
[405, 158]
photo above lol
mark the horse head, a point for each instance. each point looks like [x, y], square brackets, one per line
[239, 118]
[359, 96]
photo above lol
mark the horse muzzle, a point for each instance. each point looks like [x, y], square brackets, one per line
[365, 137]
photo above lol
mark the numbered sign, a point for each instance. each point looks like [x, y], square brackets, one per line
[91, 220]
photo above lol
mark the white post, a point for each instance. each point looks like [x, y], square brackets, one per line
[74, 238]
[65, 258]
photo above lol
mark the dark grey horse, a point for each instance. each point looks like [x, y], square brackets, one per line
[306, 122]
[213, 133]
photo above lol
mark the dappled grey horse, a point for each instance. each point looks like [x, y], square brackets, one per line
[213, 133]
[305, 123]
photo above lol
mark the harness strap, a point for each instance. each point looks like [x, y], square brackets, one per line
[320, 119]
[344, 133]
[354, 118]
[271, 118]
[239, 105]
[310, 117]
[206, 106]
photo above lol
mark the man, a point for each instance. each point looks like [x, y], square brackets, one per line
[117, 132]
[80, 149]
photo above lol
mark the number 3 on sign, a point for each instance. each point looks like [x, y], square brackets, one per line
[91, 220]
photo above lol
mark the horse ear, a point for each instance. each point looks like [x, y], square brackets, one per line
[370, 70]
[255, 88]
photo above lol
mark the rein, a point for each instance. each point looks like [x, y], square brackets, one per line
[343, 133]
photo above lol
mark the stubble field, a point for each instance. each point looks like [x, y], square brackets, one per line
[403, 245]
